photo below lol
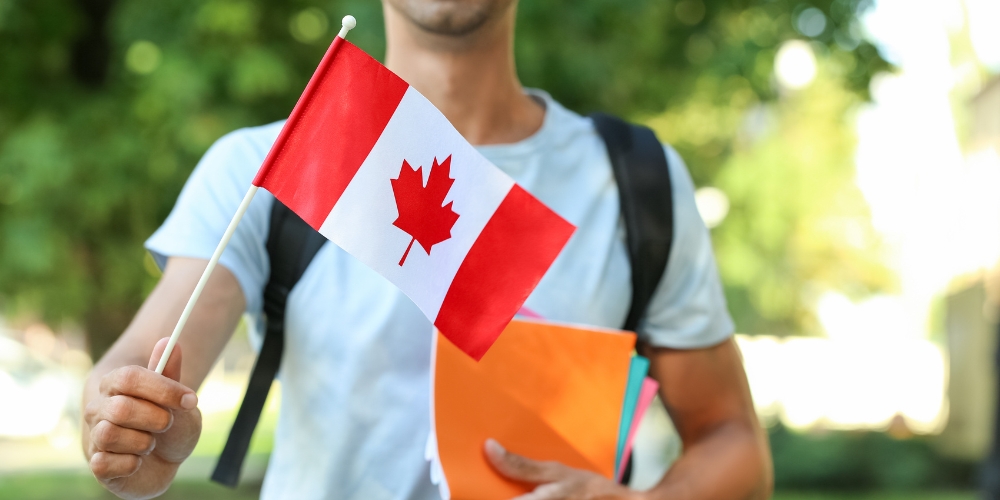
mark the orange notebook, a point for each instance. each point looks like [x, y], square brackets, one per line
[546, 391]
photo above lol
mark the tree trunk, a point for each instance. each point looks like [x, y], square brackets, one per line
[92, 51]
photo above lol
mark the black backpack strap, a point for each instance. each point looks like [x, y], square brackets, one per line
[643, 176]
[640, 166]
[291, 246]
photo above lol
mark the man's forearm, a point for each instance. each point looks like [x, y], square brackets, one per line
[730, 462]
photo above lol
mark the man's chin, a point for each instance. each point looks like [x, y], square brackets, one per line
[450, 17]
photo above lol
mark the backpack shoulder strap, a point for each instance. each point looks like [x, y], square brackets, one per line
[643, 176]
[641, 171]
[291, 246]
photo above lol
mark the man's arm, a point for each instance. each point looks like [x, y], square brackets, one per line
[139, 426]
[726, 455]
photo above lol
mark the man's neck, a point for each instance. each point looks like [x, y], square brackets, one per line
[472, 80]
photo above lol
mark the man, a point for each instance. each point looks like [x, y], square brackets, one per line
[354, 414]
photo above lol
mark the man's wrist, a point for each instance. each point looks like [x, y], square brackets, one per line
[650, 494]
[155, 476]
[635, 495]
[670, 489]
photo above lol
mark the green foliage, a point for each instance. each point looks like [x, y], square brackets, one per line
[638, 57]
[947, 495]
[862, 461]
[798, 225]
[85, 487]
[106, 105]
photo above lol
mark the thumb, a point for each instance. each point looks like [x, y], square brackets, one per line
[173, 368]
[521, 468]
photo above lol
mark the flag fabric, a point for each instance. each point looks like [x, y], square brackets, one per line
[376, 168]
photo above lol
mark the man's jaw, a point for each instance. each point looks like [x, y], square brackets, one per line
[450, 18]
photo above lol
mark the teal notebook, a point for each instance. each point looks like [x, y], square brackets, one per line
[637, 370]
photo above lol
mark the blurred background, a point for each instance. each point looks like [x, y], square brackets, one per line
[846, 153]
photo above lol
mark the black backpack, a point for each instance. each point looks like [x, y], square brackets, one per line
[640, 168]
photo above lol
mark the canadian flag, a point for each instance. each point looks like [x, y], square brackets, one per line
[376, 168]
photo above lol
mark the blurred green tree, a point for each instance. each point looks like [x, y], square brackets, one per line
[106, 105]
[798, 225]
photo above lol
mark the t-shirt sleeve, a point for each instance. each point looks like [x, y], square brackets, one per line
[204, 208]
[688, 309]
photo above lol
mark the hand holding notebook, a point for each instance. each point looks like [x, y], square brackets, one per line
[545, 391]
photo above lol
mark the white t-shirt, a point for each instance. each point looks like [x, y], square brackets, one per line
[354, 409]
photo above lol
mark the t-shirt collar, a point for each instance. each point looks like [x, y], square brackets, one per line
[500, 152]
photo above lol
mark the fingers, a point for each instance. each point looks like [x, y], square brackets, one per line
[173, 368]
[107, 466]
[550, 491]
[521, 468]
[138, 382]
[106, 436]
[134, 413]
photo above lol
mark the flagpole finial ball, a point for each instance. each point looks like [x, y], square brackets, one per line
[349, 22]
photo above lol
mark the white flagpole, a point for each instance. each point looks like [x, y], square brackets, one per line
[347, 24]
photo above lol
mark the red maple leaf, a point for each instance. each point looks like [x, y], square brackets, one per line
[421, 213]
